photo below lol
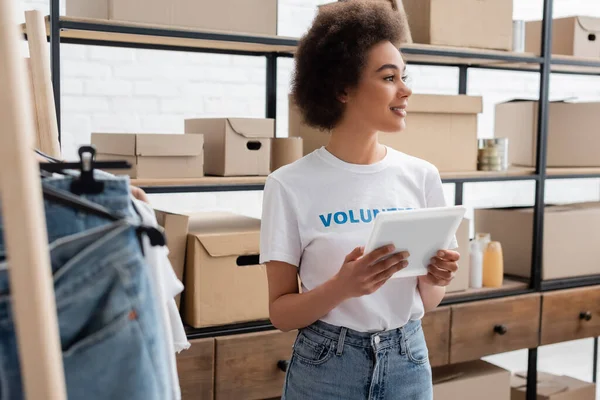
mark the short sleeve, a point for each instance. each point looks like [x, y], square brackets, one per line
[279, 231]
[434, 193]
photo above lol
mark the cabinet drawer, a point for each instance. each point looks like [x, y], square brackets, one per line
[570, 314]
[246, 365]
[494, 326]
[196, 370]
[436, 326]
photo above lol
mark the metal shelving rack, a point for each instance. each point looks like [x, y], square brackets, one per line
[116, 34]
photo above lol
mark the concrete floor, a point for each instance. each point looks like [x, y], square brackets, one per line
[570, 358]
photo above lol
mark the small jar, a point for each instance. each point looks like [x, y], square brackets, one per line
[493, 265]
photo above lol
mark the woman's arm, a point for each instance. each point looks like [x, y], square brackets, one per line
[289, 309]
[432, 286]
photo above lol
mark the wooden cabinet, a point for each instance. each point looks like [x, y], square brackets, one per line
[570, 315]
[195, 368]
[436, 326]
[494, 326]
[247, 365]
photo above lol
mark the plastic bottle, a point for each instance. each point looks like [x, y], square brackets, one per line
[476, 265]
[493, 265]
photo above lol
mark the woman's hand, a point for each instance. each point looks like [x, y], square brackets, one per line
[442, 269]
[139, 194]
[361, 275]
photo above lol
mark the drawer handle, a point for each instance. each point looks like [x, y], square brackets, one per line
[283, 365]
[500, 329]
[586, 315]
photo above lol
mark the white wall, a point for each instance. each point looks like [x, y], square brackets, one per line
[127, 90]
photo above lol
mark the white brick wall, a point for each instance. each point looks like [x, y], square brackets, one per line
[127, 90]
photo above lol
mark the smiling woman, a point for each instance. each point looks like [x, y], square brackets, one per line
[360, 333]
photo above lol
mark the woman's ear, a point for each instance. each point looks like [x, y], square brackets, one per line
[343, 97]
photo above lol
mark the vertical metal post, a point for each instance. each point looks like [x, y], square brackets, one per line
[595, 363]
[458, 193]
[55, 57]
[538, 215]
[271, 85]
[462, 79]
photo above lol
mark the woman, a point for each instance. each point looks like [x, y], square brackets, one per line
[360, 333]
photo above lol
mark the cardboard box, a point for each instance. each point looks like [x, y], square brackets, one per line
[474, 380]
[244, 16]
[285, 151]
[434, 122]
[571, 36]
[483, 24]
[570, 238]
[573, 137]
[153, 155]
[235, 146]
[462, 277]
[177, 226]
[553, 387]
[220, 288]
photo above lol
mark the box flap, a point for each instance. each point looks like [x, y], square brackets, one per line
[226, 234]
[122, 144]
[253, 127]
[589, 24]
[231, 244]
[169, 145]
[464, 370]
[446, 104]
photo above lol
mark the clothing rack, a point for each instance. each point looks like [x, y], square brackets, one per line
[33, 302]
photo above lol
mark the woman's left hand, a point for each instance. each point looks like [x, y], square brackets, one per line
[442, 268]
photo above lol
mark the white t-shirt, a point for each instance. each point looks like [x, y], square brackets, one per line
[318, 209]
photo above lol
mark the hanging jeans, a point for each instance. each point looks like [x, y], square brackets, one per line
[112, 346]
[331, 362]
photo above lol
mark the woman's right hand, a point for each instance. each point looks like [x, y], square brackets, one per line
[361, 275]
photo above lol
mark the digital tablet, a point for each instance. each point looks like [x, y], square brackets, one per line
[422, 232]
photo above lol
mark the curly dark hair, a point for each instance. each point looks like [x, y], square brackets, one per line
[332, 54]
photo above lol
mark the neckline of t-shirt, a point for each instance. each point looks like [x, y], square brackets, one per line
[380, 165]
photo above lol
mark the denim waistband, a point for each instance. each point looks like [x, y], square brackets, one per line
[63, 221]
[364, 339]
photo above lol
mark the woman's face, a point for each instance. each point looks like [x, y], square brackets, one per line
[381, 96]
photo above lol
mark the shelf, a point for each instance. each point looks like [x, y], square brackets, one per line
[513, 173]
[572, 173]
[455, 56]
[141, 35]
[559, 64]
[510, 287]
[568, 283]
[206, 184]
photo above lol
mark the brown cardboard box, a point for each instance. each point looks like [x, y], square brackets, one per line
[573, 137]
[177, 226]
[220, 288]
[437, 122]
[153, 155]
[465, 23]
[245, 16]
[461, 279]
[235, 146]
[474, 380]
[285, 151]
[571, 36]
[570, 238]
[553, 387]
[448, 121]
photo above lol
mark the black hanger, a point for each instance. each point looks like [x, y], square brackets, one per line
[85, 183]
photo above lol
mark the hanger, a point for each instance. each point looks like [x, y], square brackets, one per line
[87, 184]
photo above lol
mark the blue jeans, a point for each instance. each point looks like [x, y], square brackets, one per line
[111, 346]
[332, 363]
